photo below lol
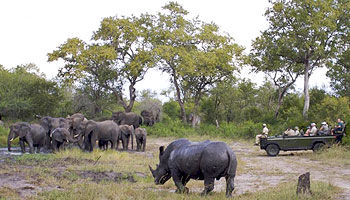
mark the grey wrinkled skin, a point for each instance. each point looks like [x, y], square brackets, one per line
[184, 160]
[140, 137]
[59, 137]
[106, 131]
[127, 133]
[32, 134]
[131, 118]
[148, 118]
[50, 124]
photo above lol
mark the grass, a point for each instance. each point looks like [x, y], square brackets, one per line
[61, 176]
[336, 155]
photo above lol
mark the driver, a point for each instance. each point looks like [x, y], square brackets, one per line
[264, 133]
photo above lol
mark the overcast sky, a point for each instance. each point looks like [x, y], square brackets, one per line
[31, 29]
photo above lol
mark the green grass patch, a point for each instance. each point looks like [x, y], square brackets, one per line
[336, 155]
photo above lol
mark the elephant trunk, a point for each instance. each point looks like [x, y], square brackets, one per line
[9, 140]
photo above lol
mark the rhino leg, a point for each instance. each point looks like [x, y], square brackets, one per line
[208, 185]
[179, 182]
[229, 185]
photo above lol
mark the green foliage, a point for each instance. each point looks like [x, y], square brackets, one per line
[24, 92]
[4, 132]
[302, 36]
[340, 74]
[175, 128]
[172, 109]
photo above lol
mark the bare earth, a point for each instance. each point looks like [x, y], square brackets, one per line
[261, 171]
[256, 171]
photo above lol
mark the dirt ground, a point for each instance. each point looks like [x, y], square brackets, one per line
[257, 171]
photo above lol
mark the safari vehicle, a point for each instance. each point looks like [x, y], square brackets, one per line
[272, 145]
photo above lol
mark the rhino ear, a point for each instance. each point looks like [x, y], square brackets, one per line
[161, 150]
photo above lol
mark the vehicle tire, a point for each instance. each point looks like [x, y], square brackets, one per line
[318, 146]
[272, 150]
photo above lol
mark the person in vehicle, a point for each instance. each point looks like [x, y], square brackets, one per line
[296, 130]
[323, 129]
[264, 133]
[339, 127]
[289, 132]
[311, 131]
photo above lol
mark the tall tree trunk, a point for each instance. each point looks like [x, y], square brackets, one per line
[306, 88]
[178, 97]
[132, 97]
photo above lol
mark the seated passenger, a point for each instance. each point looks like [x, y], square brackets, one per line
[296, 130]
[289, 132]
[339, 127]
[324, 129]
[313, 130]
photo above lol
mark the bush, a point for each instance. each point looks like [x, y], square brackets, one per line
[175, 128]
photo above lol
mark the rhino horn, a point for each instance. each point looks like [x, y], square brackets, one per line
[150, 168]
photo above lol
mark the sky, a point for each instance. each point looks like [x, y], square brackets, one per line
[31, 29]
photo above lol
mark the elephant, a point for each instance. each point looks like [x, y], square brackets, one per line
[148, 118]
[50, 124]
[32, 134]
[101, 131]
[103, 144]
[140, 137]
[126, 132]
[122, 118]
[59, 137]
[75, 121]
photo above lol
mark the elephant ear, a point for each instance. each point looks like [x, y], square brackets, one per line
[24, 130]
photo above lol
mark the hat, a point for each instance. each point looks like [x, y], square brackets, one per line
[297, 128]
[313, 124]
[264, 124]
[323, 123]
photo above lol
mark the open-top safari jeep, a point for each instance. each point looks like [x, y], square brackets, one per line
[273, 144]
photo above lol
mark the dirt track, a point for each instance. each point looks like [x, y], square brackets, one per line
[261, 171]
[257, 171]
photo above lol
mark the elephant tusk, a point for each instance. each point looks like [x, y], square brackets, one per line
[76, 136]
[68, 141]
[11, 140]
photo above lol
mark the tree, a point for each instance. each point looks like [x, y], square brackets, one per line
[119, 54]
[193, 53]
[25, 92]
[307, 33]
[340, 75]
[265, 57]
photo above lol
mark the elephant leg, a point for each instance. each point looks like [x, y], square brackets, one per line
[30, 143]
[23, 147]
[54, 146]
[93, 142]
[144, 145]
[127, 143]
[38, 148]
[138, 144]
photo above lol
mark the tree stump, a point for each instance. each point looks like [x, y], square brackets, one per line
[303, 186]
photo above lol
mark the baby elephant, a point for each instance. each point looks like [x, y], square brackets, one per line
[140, 136]
[59, 137]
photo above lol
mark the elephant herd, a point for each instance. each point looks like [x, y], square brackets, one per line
[55, 133]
